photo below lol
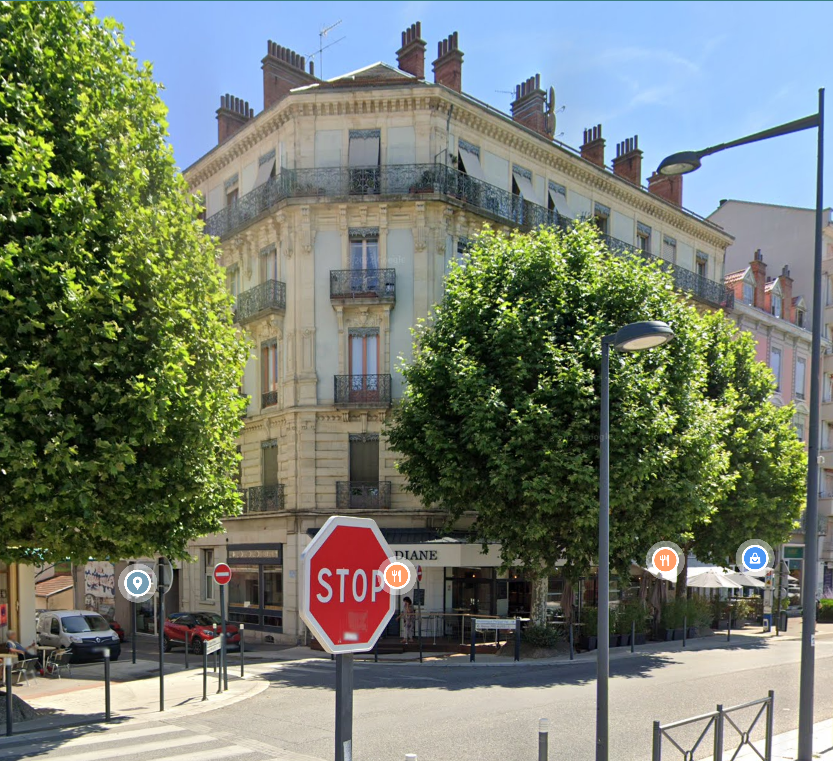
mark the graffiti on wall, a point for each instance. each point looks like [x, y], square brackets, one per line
[100, 588]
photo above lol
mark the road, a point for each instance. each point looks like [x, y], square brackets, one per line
[445, 713]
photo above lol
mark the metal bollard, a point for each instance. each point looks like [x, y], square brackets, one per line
[204, 673]
[187, 645]
[656, 752]
[215, 652]
[242, 651]
[517, 638]
[685, 628]
[106, 684]
[473, 641]
[633, 634]
[718, 734]
[571, 640]
[9, 697]
[543, 739]
[219, 670]
[770, 726]
[729, 627]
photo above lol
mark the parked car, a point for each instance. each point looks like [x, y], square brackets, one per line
[82, 632]
[200, 628]
[116, 627]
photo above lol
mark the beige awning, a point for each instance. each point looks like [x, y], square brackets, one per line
[264, 172]
[363, 151]
[471, 164]
[559, 201]
[527, 189]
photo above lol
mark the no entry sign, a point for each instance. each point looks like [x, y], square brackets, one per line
[344, 599]
[222, 574]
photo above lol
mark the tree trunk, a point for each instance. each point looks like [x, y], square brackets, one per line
[682, 580]
[540, 587]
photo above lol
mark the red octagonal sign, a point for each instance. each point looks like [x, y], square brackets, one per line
[344, 599]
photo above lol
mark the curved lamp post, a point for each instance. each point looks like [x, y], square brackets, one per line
[637, 336]
[688, 161]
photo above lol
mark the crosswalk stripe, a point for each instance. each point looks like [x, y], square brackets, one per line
[168, 745]
[216, 753]
[112, 735]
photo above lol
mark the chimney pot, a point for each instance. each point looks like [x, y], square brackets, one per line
[411, 56]
[283, 70]
[448, 68]
[231, 116]
[593, 148]
[628, 161]
[668, 187]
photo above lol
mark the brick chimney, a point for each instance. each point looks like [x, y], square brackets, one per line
[283, 70]
[628, 161]
[411, 56]
[758, 267]
[448, 68]
[787, 294]
[668, 187]
[530, 104]
[593, 148]
[232, 114]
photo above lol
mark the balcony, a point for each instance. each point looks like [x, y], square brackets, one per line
[343, 183]
[263, 499]
[266, 298]
[363, 286]
[363, 495]
[363, 390]
[268, 399]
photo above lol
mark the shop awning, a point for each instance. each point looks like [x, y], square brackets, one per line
[264, 172]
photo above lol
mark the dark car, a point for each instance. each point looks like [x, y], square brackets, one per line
[198, 626]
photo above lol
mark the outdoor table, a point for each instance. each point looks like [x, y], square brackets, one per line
[43, 654]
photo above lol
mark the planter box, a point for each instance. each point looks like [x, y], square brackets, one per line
[678, 633]
[640, 639]
[666, 635]
[693, 632]
[614, 640]
[588, 643]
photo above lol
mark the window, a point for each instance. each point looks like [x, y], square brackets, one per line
[269, 373]
[233, 281]
[363, 158]
[643, 237]
[799, 318]
[231, 197]
[256, 586]
[800, 378]
[269, 455]
[244, 587]
[269, 263]
[468, 160]
[207, 568]
[265, 169]
[669, 249]
[702, 265]
[364, 252]
[776, 305]
[748, 293]
[601, 217]
[775, 366]
[364, 458]
[799, 427]
[364, 364]
[557, 201]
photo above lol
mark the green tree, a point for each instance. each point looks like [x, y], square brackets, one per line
[767, 459]
[119, 362]
[501, 412]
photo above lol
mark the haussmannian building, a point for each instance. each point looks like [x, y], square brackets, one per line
[339, 208]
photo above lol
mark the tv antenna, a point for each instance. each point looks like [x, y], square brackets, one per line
[322, 47]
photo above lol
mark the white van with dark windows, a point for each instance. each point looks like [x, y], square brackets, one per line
[82, 632]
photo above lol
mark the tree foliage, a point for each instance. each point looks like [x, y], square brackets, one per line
[501, 412]
[119, 362]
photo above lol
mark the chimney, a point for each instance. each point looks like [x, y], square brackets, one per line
[668, 187]
[448, 68]
[411, 56]
[788, 312]
[530, 107]
[283, 70]
[628, 161]
[759, 271]
[232, 114]
[593, 148]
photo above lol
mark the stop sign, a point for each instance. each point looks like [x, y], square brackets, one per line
[344, 599]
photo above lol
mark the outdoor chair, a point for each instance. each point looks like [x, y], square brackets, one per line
[24, 669]
[57, 660]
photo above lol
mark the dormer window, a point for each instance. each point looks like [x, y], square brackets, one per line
[799, 318]
[776, 305]
[748, 293]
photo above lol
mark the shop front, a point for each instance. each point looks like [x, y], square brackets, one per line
[255, 592]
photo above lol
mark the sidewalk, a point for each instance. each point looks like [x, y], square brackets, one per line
[785, 746]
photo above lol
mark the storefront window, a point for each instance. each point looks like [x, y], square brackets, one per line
[244, 586]
[273, 587]
[256, 587]
[472, 590]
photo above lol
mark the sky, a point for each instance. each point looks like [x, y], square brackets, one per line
[680, 75]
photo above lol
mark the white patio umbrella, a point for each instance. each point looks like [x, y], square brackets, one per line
[712, 579]
[744, 580]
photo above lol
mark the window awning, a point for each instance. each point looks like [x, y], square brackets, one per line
[471, 164]
[526, 188]
[364, 150]
[264, 172]
[559, 201]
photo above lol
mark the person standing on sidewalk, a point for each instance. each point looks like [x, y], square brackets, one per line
[408, 615]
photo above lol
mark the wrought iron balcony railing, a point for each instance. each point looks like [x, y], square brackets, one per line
[437, 179]
[822, 524]
[262, 299]
[367, 390]
[362, 495]
[363, 284]
[263, 499]
[268, 398]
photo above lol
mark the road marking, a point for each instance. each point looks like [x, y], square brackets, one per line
[210, 755]
[168, 745]
[114, 735]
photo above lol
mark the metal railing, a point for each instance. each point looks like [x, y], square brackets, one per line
[268, 399]
[263, 298]
[361, 284]
[371, 390]
[263, 499]
[822, 524]
[437, 179]
[717, 721]
[363, 495]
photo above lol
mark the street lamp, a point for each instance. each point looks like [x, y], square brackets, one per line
[688, 161]
[637, 336]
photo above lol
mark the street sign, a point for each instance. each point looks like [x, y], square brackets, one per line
[212, 645]
[165, 575]
[493, 624]
[419, 573]
[222, 574]
[344, 599]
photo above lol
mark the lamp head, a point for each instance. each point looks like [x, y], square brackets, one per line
[639, 336]
[679, 163]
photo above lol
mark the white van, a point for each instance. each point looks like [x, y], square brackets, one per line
[83, 632]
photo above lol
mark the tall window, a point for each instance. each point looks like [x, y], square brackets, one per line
[364, 458]
[775, 366]
[601, 217]
[799, 427]
[702, 265]
[669, 249]
[748, 293]
[233, 281]
[363, 157]
[231, 197]
[269, 453]
[776, 305]
[269, 264]
[269, 373]
[364, 253]
[800, 378]
[643, 237]
[364, 364]
[799, 318]
[206, 573]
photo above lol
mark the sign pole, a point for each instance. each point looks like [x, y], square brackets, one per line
[223, 653]
[161, 631]
[133, 636]
[344, 707]
[204, 673]
[419, 611]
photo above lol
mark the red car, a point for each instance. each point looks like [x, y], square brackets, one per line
[116, 627]
[200, 627]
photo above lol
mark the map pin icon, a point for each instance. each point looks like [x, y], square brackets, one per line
[137, 582]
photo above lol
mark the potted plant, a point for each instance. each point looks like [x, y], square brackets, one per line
[672, 619]
[588, 640]
[631, 620]
[699, 615]
[720, 613]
